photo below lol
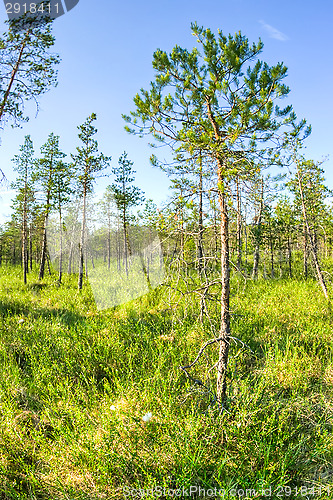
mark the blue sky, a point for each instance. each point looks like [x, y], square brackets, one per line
[106, 50]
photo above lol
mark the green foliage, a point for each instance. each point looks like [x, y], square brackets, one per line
[24, 204]
[47, 171]
[88, 162]
[27, 68]
[77, 382]
[209, 100]
[125, 194]
[315, 192]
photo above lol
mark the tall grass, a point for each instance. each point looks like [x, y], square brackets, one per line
[76, 382]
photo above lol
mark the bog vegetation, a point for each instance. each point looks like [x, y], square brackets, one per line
[219, 374]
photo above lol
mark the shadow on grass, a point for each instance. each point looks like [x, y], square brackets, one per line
[66, 316]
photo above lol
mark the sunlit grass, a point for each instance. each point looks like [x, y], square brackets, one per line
[76, 383]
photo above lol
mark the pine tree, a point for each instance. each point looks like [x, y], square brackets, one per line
[286, 227]
[209, 101]
[27, 67]
[87, 163]
[126, 196]
[308, 184]
[62, 192]
[45, 175]
[108, 214]
[24, 167]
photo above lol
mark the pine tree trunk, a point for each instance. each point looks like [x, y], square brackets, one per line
[86, 261]
[109, 244]
[48, 263]
[239, 226]
[44, 247]
[225, 290]
[61, 245]
[25, 229]
[258, 235]
[24, 243]
[44, 244]
[30, 247]
[13, 254]
[182, 239]
[215, 237]
[118, 249]
[69, 268]
[125, 242]
[200, 240]
[82, 241]
[289, 258]
[245, 236]
[272, 257]
[256, 257]
[200, 223]
[312, 243]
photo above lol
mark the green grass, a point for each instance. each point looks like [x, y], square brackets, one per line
[65, 365]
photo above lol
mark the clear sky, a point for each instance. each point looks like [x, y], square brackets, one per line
[106, 50]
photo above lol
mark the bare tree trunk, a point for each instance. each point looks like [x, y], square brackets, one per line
[245, 235]
[272, 258]
[109, 243]
[82, 241]
[225, 289]
[280, 257]
[289, 258]
[258, 234]
[305, 252]
[125, 242]
[24, 236]
[61, 244]
[30, 247]
[86, 259]
[48, 263]
[325, 247]
[271, 248]
[239, 226]
[221, 384]
[200, 223]
[118, 246]
[71, 249]
[70, 257]
[44, 244]
[256, 256]
[312, 243]
[44, 247]
[214, 233]
[181, 228]
[13, 253]
[200, 238]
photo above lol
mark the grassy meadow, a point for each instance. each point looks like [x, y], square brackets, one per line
[76, 382]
